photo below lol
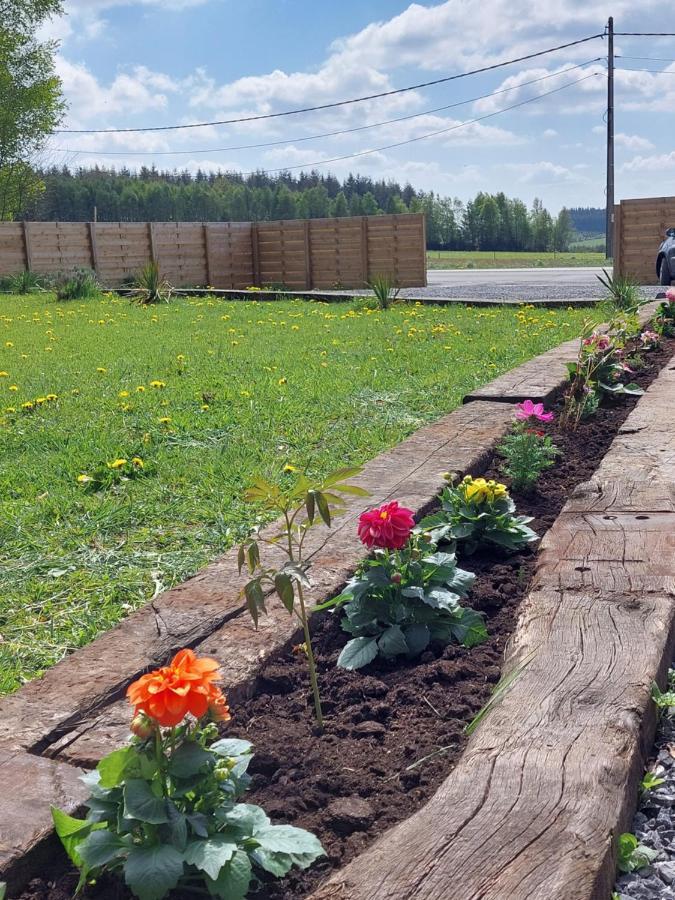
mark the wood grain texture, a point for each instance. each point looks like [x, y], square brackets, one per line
[549, 779]
[639, 229]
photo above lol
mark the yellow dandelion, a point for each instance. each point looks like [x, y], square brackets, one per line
[283, 381]
[289, 468]
[204, 407]
[14, 387]
[101, 370]
[4, 374]
[52, 397]
[28, 405]
[123, 394]
[117, 464]
[140, 388]
[84, 479]
[180, 357]
[137, 462]
[158, 384]
[40, 401]
[8, 344]
[165, 420]
[10, 409]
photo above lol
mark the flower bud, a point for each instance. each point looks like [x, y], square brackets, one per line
[142, 726]
[396, 578]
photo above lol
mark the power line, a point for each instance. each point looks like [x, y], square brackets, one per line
[645, 33]
[293, 112]
[314, 137]
[421, 137]
[653, 71]
[651, 58]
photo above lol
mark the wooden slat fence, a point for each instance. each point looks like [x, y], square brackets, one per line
[639, 228]
[299, 254]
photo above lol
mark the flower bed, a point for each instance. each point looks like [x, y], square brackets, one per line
[392, 731]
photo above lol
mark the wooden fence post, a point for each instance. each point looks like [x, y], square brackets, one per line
[308, 258]
[255, 250]
[207, 254]
[364, 250]
[151, 239]
[27, 247]
[424, 248]
[93, 247]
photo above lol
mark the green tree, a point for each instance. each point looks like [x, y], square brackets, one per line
[30, 99]
[339, 206]
[369, 205]
[563, 230]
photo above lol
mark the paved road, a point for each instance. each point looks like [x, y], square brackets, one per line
[515, 284]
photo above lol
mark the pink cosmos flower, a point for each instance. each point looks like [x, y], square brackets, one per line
[388, 526]
[670, 295]
[530, 410]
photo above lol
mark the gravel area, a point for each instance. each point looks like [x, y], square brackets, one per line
[654, 826]
[515, 293]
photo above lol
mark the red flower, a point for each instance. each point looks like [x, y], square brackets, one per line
[388, 526]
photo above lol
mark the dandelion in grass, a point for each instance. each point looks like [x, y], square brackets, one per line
[101, 370]
[158, 384]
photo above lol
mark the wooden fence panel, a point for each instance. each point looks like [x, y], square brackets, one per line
[230, 255]
[122, 250]
[640, 226]
[300, 253]
[12, 248]
[58, 246]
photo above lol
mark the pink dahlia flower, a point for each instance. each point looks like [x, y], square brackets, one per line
[530, 410]
[388, 526]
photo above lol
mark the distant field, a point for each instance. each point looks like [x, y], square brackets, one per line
[504, 259]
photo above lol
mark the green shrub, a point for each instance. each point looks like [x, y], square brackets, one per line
[151, 286]
[622, 290]
[81, 284]
[25, 282]
[385, 290]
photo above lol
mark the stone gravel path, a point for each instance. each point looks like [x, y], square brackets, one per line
[654, 826]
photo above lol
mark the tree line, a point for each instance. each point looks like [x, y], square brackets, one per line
[487, 222]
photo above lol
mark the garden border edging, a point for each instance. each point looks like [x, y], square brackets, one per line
[74, 713]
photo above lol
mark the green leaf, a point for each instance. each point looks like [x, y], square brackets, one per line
[284, 588]
[141, 803]
[234, 878]
[340, 474]
[241, 557]
[3, 890]
[189, 759]
[352, 489]
[231, 747]
[278, 864]
[177, 826]
[247, 817]
[288, 839]
[71, 833]
[324, 508]
[113, 766]
[417, 638]
[100, 847]
[470, 629]
[358, 653]
[151, 872]
[255, 599]
[253, 557]
[210, 855]
[392, 642]
[310, 506]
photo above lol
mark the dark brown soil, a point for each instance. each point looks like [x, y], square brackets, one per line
[393, 731]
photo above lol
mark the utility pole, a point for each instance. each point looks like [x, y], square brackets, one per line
[609, 224]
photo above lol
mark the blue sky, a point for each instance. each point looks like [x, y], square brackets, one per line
[129, 63]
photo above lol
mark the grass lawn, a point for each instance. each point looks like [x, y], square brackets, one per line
[504, 259]
[240, 388]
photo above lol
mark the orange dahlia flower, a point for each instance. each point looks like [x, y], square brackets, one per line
[185, 686]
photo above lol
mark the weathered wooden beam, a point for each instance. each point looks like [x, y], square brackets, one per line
[549, 780]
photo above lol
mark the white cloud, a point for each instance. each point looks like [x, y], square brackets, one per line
[657, 163]
[632, 141]
[549, 133]
[535, 172]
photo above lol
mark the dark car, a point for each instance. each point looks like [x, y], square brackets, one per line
[665, 258]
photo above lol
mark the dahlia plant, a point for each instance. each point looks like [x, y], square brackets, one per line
[163, 811]
[527, 450]
[301, 504]
[599, 369]
[404, 596]
[477, 512]
[665, 315]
